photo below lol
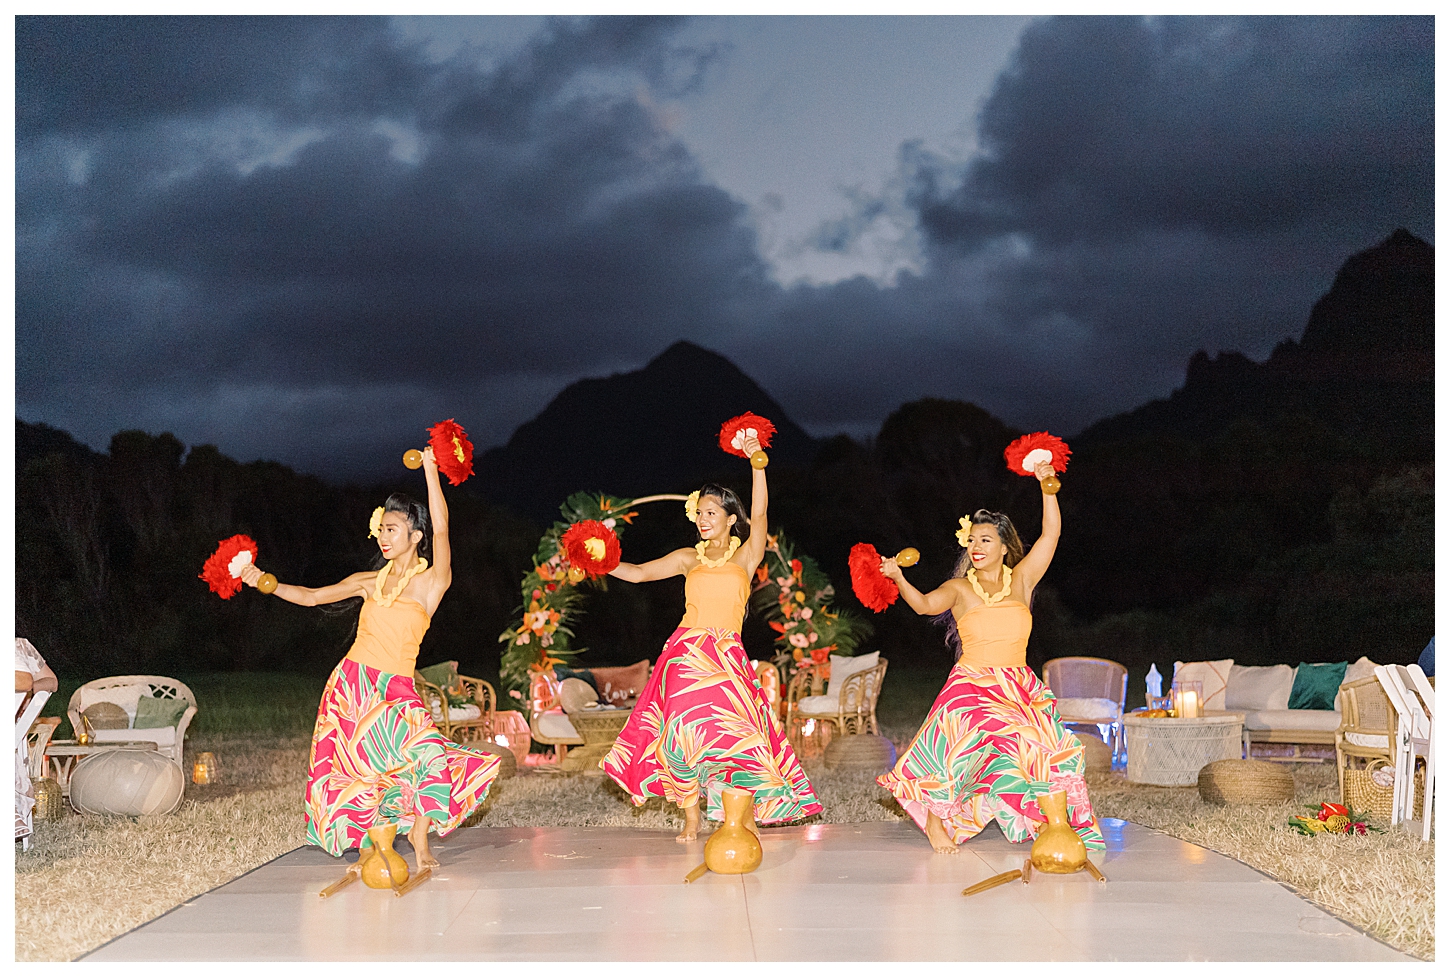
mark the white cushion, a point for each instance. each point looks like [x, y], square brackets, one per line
[124, 696]
[1369, 740]
[456, 714]
[555, 725]
[843, 667]
[818, 705]
[161, 735]
[1308, 720]
[1259, 687]
[1088, 710]
[1213, 675]
[1364, 668]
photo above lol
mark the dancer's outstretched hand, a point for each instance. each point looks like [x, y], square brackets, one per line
[250, 575]
[751, 445]
[1043, 470]
[890, 569]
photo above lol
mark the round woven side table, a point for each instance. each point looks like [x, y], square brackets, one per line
[1169, 752]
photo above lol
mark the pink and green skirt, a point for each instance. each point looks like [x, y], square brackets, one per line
[992, 743]
[377, 757]
[703, 724]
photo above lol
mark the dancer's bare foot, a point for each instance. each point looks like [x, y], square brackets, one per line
[692, 824]
[418, 838]
[936, 833]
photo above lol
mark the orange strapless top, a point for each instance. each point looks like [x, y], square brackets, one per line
[388, 637]
[996, 636]
[715, 597]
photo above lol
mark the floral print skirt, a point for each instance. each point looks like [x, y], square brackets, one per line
[704, 724]
[993, 743]
[377, 757]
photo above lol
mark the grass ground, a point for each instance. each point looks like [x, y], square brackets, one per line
[257, 726]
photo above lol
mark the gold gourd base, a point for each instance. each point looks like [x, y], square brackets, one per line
[1057, 850]
[733, 849]
[380, 867]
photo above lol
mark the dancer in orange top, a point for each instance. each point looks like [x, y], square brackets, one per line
[376, 754]
[993, 741]
[703, 723]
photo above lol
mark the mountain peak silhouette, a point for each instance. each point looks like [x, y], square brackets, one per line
[649, 430]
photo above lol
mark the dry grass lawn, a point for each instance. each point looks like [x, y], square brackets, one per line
[1383, 883]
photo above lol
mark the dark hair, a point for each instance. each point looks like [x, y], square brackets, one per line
[418, 520]
[1005, 530]
[732, 505]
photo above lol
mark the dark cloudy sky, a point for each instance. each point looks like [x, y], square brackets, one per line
[307, 239]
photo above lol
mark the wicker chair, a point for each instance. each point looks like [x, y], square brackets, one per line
[855, 710]
[169, 740]
[470, 723]
[1365, 740]
[1090, 691]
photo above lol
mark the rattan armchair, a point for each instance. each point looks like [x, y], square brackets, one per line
[1090, 691]
[855, 710]
[469, 723]
[1364, 741]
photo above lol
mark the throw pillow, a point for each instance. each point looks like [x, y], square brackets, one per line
[1315, 686]
[106, 715]
[583, 674]
[844, 666]
[576, 694]
[444, 674]
[1255, 687]
[124, 696]
[152, 713]
[1214, 677]
[620, 684]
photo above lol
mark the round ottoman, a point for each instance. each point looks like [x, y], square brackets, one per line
[508, 763]
[126, 782]
[1096, 754]
[1245, 782]
[862, 751]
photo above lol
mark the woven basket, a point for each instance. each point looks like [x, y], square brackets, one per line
[1245, 782]
[862, 751]
[508, 763]
[1364, 796]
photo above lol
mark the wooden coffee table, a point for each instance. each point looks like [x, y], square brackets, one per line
[1169, 752]
[62, 755]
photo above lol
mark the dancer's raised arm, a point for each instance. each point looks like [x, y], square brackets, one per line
[1039, 558]
[939, 600]
[441, 576]
[759, 502]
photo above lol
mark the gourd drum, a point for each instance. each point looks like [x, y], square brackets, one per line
[130, 783]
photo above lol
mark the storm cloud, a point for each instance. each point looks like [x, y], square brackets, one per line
[306, 239]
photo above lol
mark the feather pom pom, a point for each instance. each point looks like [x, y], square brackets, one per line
[452, 450]
[734, 431]
[223, 569]
[1024, 454]
[591, 546]
[873, 588]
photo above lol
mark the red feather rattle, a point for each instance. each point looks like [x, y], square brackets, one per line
[872, 587]
[1027, 452]
[734, 432]
[223, 569]
[591, 548]
[451, 449]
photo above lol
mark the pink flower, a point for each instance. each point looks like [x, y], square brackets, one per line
[1073, 783]
[806, 613]
[799, 640]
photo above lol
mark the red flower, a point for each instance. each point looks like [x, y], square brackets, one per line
[591, 546]
[1328, 810]
[872, 587]
[795, 567]
[452, 450]
[763, 431]
[217, 570]
[1018, 453]
[819, 655]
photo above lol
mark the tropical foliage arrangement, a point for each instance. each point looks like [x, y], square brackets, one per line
[1332, 819]
[794, 596]
[551, 590]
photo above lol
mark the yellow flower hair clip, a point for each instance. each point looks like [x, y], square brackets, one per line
[965, 531]
[692, 506]
[375, 524]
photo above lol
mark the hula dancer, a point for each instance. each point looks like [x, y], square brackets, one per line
[703, 723]
[376, 754]
[993, 741]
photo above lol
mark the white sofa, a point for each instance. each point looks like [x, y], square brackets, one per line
[1262, 693]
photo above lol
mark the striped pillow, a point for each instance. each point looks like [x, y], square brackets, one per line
[1214, 676]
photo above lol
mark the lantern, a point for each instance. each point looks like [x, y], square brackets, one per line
[203, 771]
[1187, 700]
[47, 800]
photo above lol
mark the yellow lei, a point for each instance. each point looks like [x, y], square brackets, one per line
[387, 599]
[700, 552]
[997, 597]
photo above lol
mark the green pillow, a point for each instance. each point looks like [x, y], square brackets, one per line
[444, 674]
[152, 713]
[1315, 686]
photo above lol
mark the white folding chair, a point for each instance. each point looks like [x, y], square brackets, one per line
[1417, 684]
[1412, 739]
[24, 717]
